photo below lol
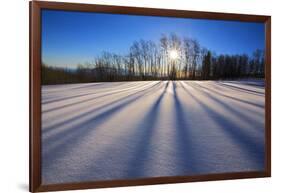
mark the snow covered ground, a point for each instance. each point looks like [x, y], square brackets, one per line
[125, 130]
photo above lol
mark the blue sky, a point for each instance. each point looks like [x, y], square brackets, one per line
[69, 38]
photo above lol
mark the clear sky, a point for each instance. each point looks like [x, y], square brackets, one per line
[69, 38]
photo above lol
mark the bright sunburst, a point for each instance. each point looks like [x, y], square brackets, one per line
[174, 54]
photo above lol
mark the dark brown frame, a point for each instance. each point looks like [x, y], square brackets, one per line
[35, 94]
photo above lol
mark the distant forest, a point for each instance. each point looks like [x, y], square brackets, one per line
[172, 58]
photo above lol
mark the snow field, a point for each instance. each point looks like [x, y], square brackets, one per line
[127, 130]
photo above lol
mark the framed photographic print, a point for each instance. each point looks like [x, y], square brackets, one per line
[123, 96]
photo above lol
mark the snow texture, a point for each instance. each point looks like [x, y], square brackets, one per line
[129, 130]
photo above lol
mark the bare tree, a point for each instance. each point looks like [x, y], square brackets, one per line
[144, 53]
[187, 52]
[137, 54]
[164, 54]
[206, 65]
[195, 55]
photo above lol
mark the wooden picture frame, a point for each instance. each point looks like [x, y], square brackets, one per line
[35, 93]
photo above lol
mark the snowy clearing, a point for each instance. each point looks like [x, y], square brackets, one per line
[126, 130]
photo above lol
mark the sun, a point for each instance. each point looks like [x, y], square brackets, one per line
[174, 54]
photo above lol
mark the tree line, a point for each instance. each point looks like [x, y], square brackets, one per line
[171, 58]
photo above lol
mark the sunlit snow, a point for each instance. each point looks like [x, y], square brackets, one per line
[127, 130]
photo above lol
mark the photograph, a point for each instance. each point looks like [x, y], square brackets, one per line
[127, 97]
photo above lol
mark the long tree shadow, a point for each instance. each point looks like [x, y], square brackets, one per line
[87, 100]
[54, 126]
[184, 139]
[142, 138]
[231, 97]
[86, 94]
[72, 86]
[54, 144]
[259, 84]
[60, 88]
[89, 86]
[226, 106]
[67, 98]
[146, 128]
[254, 150]
[237, 88]
[139, 146]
